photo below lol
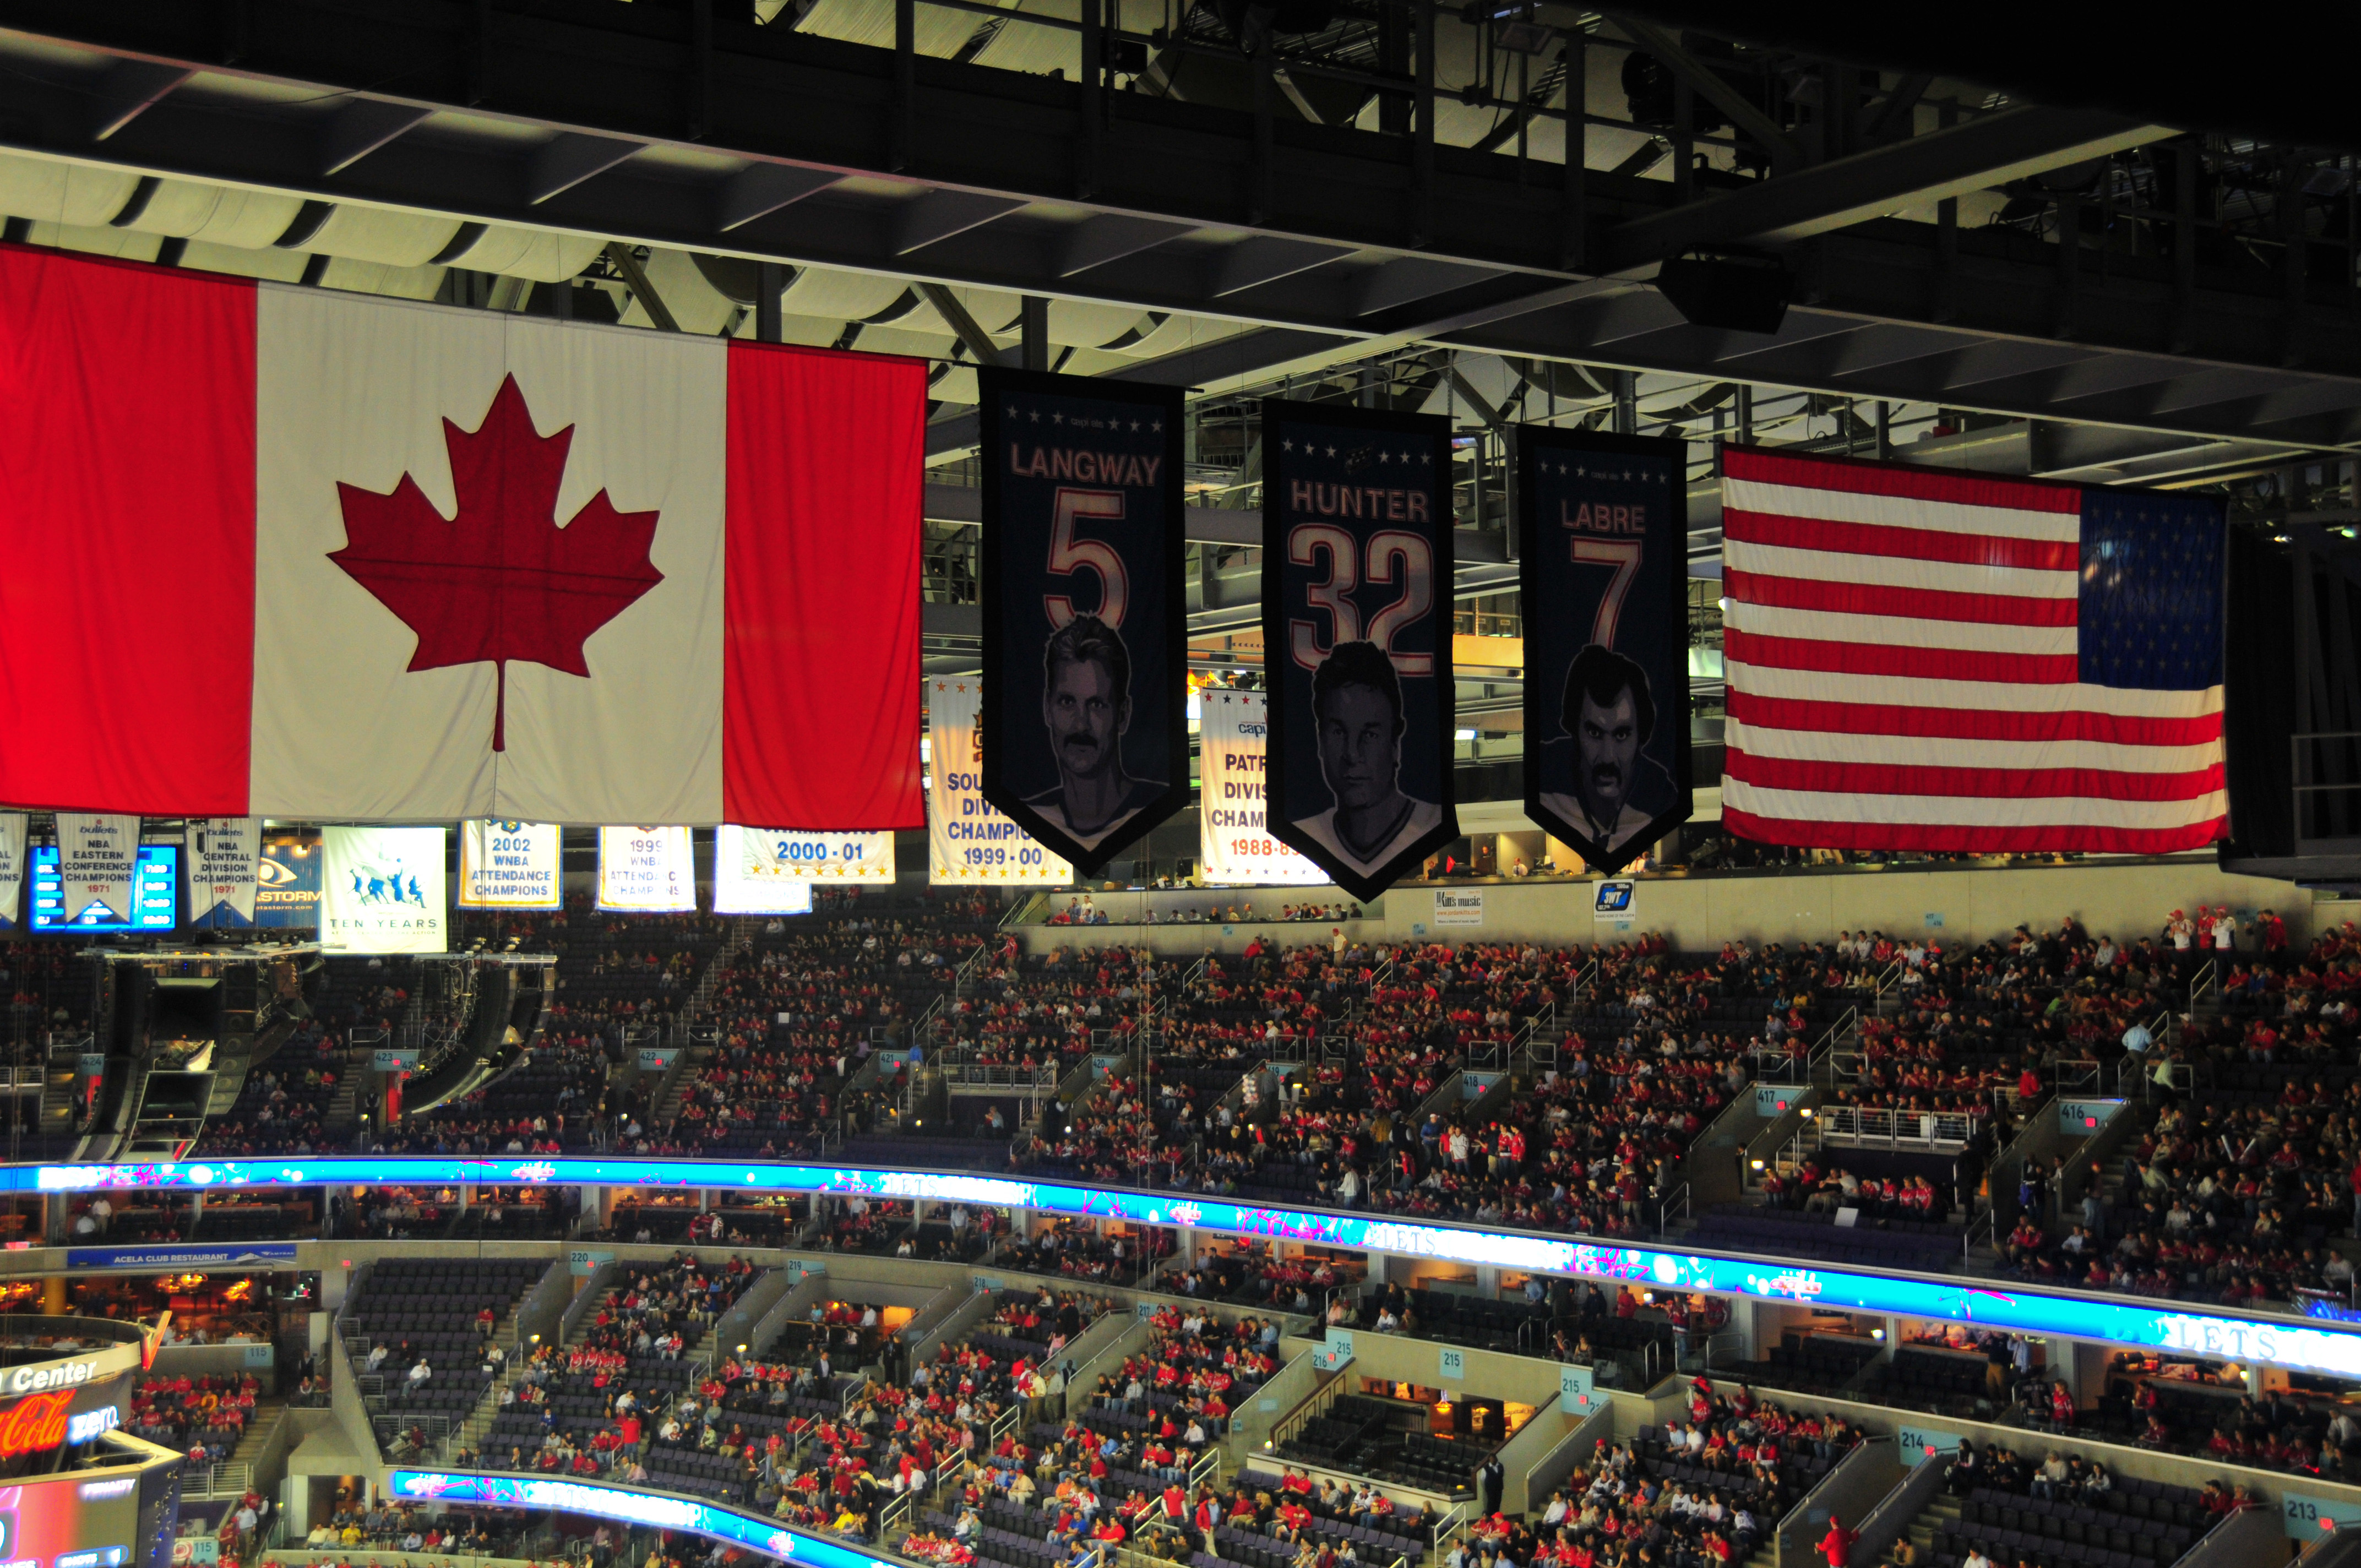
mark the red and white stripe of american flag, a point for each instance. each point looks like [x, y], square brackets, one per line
[1903, 674]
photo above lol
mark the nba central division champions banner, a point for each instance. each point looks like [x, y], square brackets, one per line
[1603, 545]
[1085, 624]
[446, 563]
[969, 841]
[224, 854]
[1357, 638]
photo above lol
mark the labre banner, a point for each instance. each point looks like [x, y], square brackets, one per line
[969, 842]
[382, 890]
[1357, 573]
[12, 866]
[1603, 546]
[510, 865]
[1234, 844]
[96, 858]
[1085, 626]
[224, 852]
[647, 870]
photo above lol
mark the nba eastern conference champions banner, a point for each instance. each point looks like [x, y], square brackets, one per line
[647, 870]
[968, 841]
[509, 865]
[382, 890]
[1235, 846]
[1603, 545]
[1356, 642]
[1085, 626]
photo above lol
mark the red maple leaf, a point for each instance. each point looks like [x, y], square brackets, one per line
[502, 580]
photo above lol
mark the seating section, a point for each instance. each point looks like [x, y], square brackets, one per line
[1921, 1378]
[203, 1420]
[2139, 1524]
[430, 1313]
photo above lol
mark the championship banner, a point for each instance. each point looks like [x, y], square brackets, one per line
[647, 870]
[1603, 545]
[1235, 846]
[288, 879]
[745, 881]
[97, 856]
[1356, 571]
[12, 866]
[510, 865]
[969, 843]
[787, 853]
[1085, 626]
[224, 852]
[382, 890]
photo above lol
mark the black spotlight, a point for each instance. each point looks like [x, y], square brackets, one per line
[1741, 293]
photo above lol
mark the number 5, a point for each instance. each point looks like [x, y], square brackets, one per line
[1069, 554]
[1623, 554]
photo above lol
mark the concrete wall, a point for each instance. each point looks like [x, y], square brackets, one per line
[2123, 898]
[1851, 1492]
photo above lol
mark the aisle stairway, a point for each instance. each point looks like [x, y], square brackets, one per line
[479, 1420]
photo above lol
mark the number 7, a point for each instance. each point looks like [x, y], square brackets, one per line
[1623, 554]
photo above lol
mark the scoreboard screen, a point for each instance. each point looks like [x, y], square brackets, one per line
[155, 895]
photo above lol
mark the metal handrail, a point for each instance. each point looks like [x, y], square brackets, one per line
[1896, 1129]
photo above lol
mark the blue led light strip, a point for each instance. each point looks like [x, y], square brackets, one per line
[657, 1510]
[2291, 1342]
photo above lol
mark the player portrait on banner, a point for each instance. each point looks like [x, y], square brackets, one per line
[1357, 592]
[1085, 720]
[1604, 571]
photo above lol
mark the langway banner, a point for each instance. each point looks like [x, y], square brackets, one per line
[1085, 625]
[1357, 571]
[510, 865]
[1236, 847]
[448, 564]
[224, 852]
[12, 866]
[96, 857]
[1603, 531]
[969, 842]
[382, 890]
[647, 870]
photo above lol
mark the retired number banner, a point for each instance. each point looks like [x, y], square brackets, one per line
[224, 852]
[1085, 627]
[1357, 640]
[969, 842]
[1603, 547]
[1235, 846]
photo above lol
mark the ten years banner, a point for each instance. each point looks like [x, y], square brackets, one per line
[1357, 596]
[1604, 574]
[1085, 626]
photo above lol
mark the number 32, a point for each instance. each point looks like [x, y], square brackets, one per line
[1394, 555]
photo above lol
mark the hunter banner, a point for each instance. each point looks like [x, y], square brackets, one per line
[970, 843]
[224, 852]
[382, 890]
[1085, 626]
[96, 857]
[1356, 571]
[509, 865]
[1602, 544]
[647, 870]
[1235, 846]
[12, 866]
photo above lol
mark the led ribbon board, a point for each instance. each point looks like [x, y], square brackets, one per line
[656, 1510]
[2291, 1342]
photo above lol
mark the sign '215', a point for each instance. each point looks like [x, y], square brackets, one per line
[1392, 557]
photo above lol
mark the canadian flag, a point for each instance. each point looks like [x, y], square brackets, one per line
[285, 552]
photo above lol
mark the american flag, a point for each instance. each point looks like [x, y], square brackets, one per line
[1925, 659]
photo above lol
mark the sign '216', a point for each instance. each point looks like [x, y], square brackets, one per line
[1070, 555]
[1394, 557]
